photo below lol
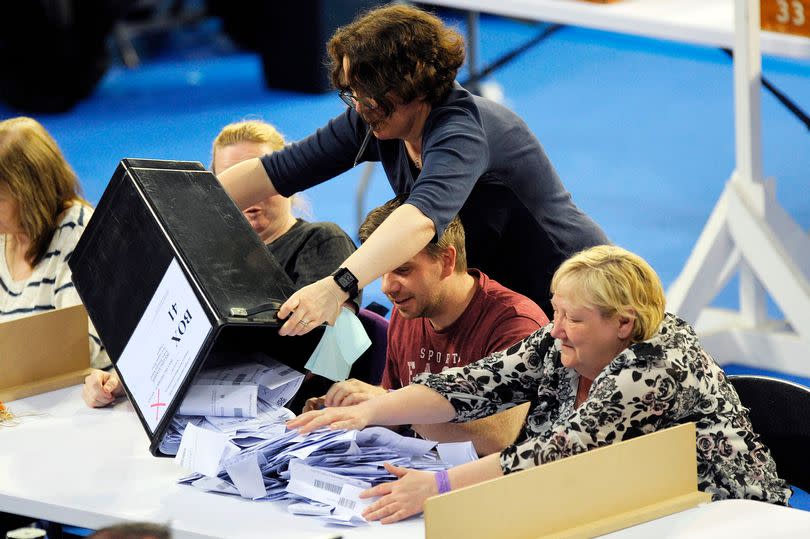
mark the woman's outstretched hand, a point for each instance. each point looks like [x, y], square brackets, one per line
[341, 417]
[402, 498]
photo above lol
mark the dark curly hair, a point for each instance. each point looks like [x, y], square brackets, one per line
[399, 49]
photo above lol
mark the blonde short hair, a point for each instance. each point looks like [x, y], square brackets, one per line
[259, 132]
[616, 281]
[36, 174]
[247, 131]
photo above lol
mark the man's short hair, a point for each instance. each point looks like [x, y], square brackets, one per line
[453, 234]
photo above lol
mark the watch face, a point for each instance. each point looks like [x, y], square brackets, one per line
[345, 279]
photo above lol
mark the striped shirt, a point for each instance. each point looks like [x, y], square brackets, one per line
[49, 286]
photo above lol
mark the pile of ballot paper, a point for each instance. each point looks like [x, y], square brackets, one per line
[231, 434]
[248, 397]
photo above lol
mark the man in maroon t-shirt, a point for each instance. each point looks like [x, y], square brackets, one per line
[473, 317]
[445, 315]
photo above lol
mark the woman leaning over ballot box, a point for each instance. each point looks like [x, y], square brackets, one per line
[611, 366]
[451, 152]
[42, 216]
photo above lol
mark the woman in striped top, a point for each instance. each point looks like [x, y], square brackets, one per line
[42, 216]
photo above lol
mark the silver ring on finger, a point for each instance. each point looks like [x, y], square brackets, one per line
[304, 323]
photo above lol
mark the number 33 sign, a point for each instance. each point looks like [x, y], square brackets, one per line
[786, 16]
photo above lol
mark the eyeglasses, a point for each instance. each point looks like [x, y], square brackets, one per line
[352, 100]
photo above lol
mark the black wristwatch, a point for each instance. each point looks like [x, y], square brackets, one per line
[347, 282]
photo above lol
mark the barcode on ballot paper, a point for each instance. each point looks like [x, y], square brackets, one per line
[348, 504]
[334, 489]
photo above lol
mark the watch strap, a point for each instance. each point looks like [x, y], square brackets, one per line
[347, 282]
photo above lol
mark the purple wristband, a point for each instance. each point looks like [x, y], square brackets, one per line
[443, 481]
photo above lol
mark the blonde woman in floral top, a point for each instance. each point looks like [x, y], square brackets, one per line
[611, 366]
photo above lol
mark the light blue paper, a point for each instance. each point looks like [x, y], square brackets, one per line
[339, 348]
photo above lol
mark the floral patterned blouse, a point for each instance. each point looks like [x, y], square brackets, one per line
[664, 381]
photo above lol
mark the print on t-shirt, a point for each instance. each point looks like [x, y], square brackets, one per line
[495, 319]
[430, 357]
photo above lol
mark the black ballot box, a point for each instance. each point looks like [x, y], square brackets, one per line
[174, 278]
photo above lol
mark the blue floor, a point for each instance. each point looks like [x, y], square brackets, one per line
[641, 131]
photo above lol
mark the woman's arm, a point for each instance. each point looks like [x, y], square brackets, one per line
[323, 155]
[399, 238]
[412, 404]
[247, 183]
[495, 383]
[488, 435]
[406, 496]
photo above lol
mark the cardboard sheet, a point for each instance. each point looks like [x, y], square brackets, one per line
[590, 494]
[43, 352]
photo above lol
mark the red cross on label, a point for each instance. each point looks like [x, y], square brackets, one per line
[157, 404]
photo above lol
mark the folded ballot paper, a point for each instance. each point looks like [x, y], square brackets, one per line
[276, 383]
[321, 474]
[327, 489]
[339, 348]
[237, 401]
[231, 434]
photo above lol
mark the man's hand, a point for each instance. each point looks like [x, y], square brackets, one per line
[351, 392]
[101, 388]
[313, 403]
[346, 393]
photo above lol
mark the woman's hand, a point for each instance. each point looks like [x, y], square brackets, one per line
[344, 417]
[311, 306]
[401, 498]
[101, 388]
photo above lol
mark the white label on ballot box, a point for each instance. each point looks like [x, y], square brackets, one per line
[163, 346]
